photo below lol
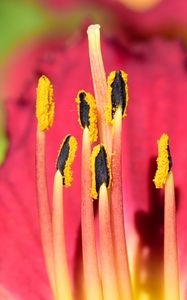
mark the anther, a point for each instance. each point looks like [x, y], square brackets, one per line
[164, 162]
[118, 94]
[101, 172]
[87, 113]
[65, 159]
[44, 104]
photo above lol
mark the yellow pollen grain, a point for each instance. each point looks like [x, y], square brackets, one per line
[162, 162]
[108, 108]
[44, 103]
[68, 174]
[95, 152]
[93, 131]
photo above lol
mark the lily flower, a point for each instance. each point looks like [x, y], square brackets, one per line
[150, 100]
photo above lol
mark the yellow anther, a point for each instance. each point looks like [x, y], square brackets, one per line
[94, 154]
[101, 170]
[117, 93]
[65, 159]
[163, 161]
[87, 112]
[44, 104]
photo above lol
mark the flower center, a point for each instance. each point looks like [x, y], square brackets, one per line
[106, 272]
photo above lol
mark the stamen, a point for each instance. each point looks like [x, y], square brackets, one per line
[65, 158]
[171, 273]
[100, 84]
[101, 172]
[87, 113]
[63, 175]
[101, 178]
[92, 281]
[118, 94]
[42, 107]
[117, 216]
[63, 285]
[44, 103]
[163, 161]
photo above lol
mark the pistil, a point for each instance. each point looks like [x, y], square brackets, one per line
[100, 84]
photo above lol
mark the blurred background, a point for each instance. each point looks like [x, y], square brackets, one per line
[24, 23]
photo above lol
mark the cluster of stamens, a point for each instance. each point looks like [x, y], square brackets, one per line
[106, 272]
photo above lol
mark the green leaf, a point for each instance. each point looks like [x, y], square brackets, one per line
[18, 19]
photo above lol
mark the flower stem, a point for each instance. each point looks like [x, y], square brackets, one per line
[91, 273]
[109, 280]
[44, 208]
[63, 285]
[171, 273]
[117, 217]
